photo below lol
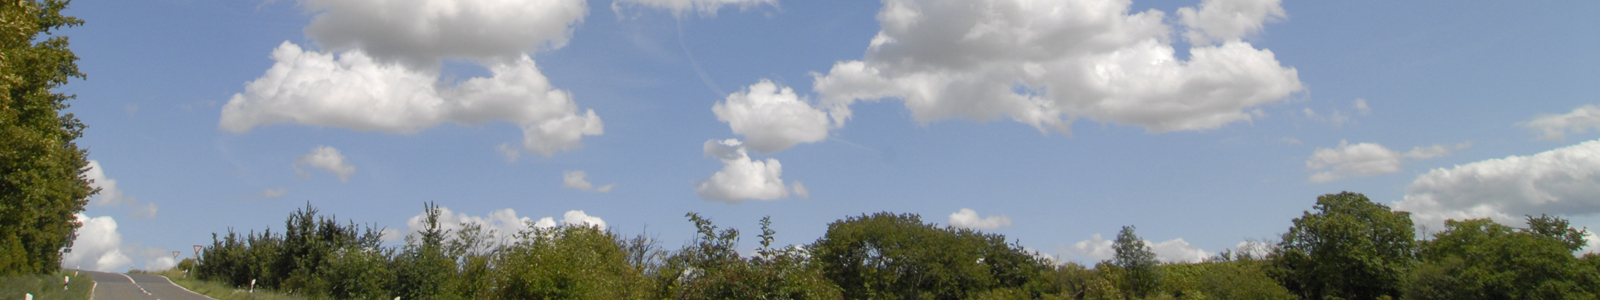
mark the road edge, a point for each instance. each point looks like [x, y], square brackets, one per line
[169, 281]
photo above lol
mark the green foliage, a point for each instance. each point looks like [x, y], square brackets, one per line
[889, 256]
[1138, 263]
[1238, 279]
[1481, 259]
[41, 168]
[46, 286]
[568, 263]
[1350, 248]
[712, 269]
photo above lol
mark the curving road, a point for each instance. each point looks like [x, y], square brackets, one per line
[114, 286]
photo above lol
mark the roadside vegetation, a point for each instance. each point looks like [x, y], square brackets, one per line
[46, 286]
[1345, 247]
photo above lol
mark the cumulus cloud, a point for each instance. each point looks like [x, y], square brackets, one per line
[1556, 127]
[421, 32]
[502, 224]
[97, 247]
[968, 218]
[1563, 181]
[576, 179]
[1097, 248]
[152, 258]
[742, 178]
[1046, 63]
[356, 92]
[1363, 159]
[386, 76]
[1361, 107]
[1224, 20]
[771, 117]
[1177, 250]
[678, 7]
[328, 159]
[1368, 159]
[109, 193]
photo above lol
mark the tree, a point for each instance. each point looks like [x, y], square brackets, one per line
[1138, 264]
[1481, 259]
[41, 168]
[890, 256]
[1349, 248]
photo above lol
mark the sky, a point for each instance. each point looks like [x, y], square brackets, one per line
[1206, 124]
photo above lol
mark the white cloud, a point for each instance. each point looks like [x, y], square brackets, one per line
[771, 117]
[326, 158]
[1556, 127]
[159, 264]
[1177, 250]
[97, 247]
[421, 32]
[678, 7]
[504, 223]
[575, 179]
[968, 218]
[578, 218]
[1046, 63]
[1564, 181]
[1223, 20]
[1594, 243]
[1361, 107]
[741, 178]
[354, 91]
[1364, 159]
[109, 193]
[1097, 248]
[1368, 159]
[152, 258]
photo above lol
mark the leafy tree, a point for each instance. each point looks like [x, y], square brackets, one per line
[569, 262]
[1350, 248]
[41, 168]
[890, 256]
[712, 269]
[1138, 264]
[1481, 259]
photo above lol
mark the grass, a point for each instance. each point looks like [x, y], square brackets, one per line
[45, 286]
[220, 290]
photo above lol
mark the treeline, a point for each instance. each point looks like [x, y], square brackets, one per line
[1347, 247]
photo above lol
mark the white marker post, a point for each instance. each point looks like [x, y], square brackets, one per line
[64, 281]
[252, 286]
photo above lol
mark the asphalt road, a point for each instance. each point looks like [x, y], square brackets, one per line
[113, 286]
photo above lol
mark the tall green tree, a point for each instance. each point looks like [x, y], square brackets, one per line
[1481, 259]
[1349, 248]
[1140, 277]
[41, 168]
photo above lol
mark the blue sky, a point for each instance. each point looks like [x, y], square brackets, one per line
[1213, 122]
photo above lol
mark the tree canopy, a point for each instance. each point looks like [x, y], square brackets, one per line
[41, 168]
[1349, 248]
